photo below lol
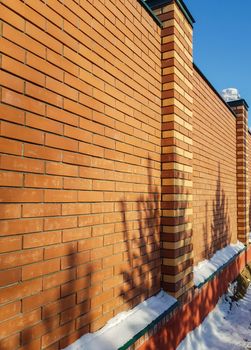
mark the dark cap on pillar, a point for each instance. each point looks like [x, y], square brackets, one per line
[154, 4]
[238, 103]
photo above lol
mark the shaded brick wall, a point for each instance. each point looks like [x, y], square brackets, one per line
[214, 172]
[80, 143]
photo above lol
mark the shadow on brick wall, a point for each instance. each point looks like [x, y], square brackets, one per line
[190, 315]
[142, 272]
[69, 317]
[220, 233]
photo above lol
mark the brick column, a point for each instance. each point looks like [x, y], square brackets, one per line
[240, 108]
[177, 106]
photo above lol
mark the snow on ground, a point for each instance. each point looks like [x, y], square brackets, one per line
[123, 327]
[206, 268]
[227, 327]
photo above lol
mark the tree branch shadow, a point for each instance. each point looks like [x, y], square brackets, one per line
[142, 272]
[69, 317]
[220, 233]
[184, 319]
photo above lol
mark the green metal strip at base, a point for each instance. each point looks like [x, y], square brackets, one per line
[150, 326]
[175, 305]
[217, 272]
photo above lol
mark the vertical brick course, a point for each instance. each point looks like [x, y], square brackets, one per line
[241, 111]
[177, 99]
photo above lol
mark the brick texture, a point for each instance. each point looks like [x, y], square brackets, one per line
[80, 181]
[214, 177]
[249, 177]
[177, 102]
[119, 165]
[241, 111]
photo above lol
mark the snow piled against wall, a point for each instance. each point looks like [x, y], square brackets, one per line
[206, 268]
[123, 327]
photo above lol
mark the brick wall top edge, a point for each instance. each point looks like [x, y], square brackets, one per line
[213, 88]
[154, 4]
[151, 13]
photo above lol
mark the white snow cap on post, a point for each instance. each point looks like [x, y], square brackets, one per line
[230, 94]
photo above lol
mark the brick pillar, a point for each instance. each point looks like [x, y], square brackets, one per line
[177, 106]
[240, 108]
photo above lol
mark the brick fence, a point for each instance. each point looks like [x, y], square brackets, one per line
[121, 166]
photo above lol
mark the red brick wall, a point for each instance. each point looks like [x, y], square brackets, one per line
[249, 179]
[80, 143]
[214, 172]
[81, 164]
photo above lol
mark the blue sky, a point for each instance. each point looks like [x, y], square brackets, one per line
[222, 43]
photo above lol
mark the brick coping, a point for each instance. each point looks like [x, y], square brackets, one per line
[213, 88]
